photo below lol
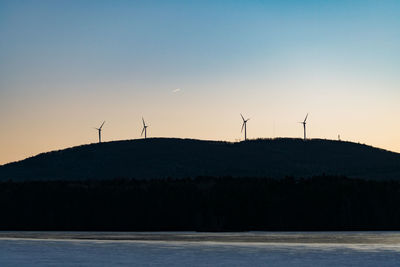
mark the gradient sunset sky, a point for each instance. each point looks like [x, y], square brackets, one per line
[191, 67]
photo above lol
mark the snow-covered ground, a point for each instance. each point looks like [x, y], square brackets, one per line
[200, 249]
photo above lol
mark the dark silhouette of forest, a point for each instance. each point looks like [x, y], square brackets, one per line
[202, 204]
[181, 158]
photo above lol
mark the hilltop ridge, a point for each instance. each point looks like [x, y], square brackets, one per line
[179, 158]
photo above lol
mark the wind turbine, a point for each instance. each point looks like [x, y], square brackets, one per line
[144, 129]
[244, 126]
[304, 126]
[99, 129]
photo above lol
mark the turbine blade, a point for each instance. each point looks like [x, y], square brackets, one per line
[243, 126]
[102, 124]
[242, 117]
[142, 131]
[306, 118]
[144, 124]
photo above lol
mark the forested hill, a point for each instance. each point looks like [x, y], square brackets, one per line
[180, 158]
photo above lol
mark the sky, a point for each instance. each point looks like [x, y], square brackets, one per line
[191, 67]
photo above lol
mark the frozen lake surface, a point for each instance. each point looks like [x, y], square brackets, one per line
[200, 249]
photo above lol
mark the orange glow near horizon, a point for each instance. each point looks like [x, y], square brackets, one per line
[35, 127]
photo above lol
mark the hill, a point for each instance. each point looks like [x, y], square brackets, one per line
[180, 158]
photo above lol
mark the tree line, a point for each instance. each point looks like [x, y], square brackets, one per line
[322, 203]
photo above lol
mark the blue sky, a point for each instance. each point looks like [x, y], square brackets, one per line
[68, 64]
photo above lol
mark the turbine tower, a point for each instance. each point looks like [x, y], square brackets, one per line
[244, 125]
[144, 129]
[99, 129]
[304, 126]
